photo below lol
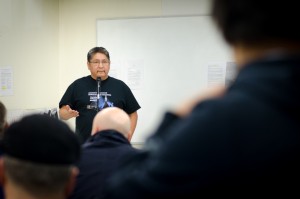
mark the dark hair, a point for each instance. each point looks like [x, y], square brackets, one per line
[254, 21]
[3, 121]
[95, 50]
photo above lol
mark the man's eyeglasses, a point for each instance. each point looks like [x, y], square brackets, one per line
[97, 63]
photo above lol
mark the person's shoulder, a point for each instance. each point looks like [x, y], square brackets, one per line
[110, 78]
[227, 107]
[115, 80]
[82, 79]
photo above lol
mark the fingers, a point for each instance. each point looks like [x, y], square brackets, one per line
[73, 113]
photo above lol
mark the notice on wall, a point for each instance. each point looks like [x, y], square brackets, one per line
[6, 81]
[130, 71]
[134, 74]
[221, 73]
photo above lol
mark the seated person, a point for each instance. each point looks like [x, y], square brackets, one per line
[103, 152]
[39, 153]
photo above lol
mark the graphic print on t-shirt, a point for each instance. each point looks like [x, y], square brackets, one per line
[103, 100]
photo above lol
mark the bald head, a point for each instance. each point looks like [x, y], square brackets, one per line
[112, 118]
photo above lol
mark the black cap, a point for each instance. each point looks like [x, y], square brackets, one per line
[41, 139]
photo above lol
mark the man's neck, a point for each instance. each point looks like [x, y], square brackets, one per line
[15, 192]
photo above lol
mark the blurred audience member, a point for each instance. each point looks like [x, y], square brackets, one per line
[39, 157]
[240, 142]
[3, 119]
[3, 126]
[103, 152]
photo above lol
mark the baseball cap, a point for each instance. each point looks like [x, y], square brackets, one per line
[41, 139]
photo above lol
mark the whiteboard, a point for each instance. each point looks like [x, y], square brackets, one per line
[162, 59]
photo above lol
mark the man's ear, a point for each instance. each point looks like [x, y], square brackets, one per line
[1, 171]
[88, 65]
[72, 181]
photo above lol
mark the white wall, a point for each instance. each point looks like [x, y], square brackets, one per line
[29, 45]
[161, 67]
[46, 41]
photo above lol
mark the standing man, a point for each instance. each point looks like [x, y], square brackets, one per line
[90, 94]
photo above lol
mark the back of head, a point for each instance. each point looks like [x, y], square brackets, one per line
[112, 118]
[256, 21]
[41, 139]
[39, 152]
[3, 120]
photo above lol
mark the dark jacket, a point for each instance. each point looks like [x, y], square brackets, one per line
[244, 143]
[101, 156]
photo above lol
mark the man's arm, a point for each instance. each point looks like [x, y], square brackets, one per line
[65, 112]
[133, 119]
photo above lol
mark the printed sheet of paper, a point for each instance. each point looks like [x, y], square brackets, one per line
[222, 73]
[6, 81]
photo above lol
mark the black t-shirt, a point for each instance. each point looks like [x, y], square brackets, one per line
[81, 95]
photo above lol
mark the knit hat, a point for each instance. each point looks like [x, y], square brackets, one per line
[41, 139]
